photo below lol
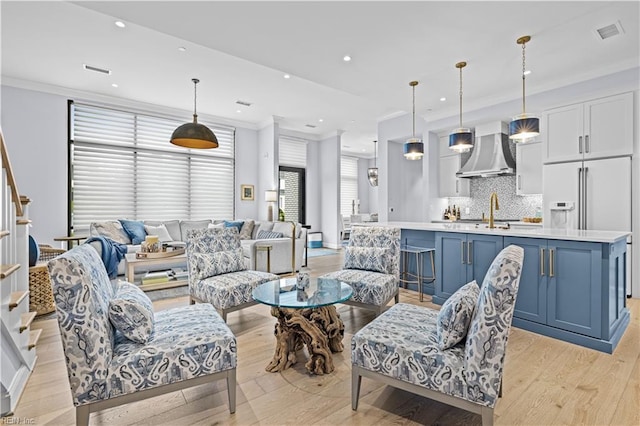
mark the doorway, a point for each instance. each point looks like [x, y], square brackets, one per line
[292, 194]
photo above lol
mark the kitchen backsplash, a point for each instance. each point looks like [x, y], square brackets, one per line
[512, 206]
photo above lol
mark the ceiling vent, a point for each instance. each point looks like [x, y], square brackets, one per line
[610, 31]
[243, 103]
[310, 126]
[96, 69]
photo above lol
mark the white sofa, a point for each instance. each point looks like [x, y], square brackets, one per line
[283, 250]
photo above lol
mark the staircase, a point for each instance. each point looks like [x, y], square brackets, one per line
[18, 341]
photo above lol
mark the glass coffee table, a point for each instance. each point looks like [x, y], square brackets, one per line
[305, 318]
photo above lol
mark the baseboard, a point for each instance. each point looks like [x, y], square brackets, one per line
[332, 246]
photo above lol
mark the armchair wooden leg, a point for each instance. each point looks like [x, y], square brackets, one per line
[356, 379]
[231, 390]
[487, 416]
[500, 390]
[82, 415]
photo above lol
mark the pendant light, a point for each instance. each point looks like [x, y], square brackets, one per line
[194, 135]
[523, 126]
[461, 139]
[413, 147]
[372, 172]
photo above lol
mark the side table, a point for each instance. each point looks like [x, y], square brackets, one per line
[263, 247]
[71, 239]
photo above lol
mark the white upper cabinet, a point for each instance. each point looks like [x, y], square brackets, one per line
[450, 162]
[529, 168]
[596, 129]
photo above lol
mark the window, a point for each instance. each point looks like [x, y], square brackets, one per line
[348, 185]
[123, 166]
[292, 157]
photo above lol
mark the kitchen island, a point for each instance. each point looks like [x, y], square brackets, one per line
[572, 285]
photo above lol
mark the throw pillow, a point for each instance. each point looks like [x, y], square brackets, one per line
[247, 230]
[161, 231]
[267, 235]
[111, 229]
[455, 315]
[131, 313]
[221, 262]
[134, 229]
[234, 224]
[284, 228]
[215, 225]
[368, 258]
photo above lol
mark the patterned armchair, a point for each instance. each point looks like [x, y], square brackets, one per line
[403, 347]
[185, 347]
[217, 270]
[371, 266]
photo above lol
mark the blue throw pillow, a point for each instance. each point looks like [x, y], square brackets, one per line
[267, 235]
[135, 230]
[34, 251]
[237, 224]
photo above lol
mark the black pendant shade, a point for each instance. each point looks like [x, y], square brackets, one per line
[194, 135]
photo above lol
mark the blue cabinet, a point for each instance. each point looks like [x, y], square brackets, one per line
[560, 284]
[461, 258]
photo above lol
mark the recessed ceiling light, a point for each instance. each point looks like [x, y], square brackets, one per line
[320, 120]
[364, 150]
[182, 49]
[346, 58]
[527, 72]
[120, 24]
[443, 99]
[114, 85]
[287, 76]
[238, 111]
[353, 121]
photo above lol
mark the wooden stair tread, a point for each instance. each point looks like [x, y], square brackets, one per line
[26, 319]
[6, 270]
[16, 298]
[23, 221]
[34, 336]
[4, 233]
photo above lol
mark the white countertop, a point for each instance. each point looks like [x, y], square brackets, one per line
[549, 233]
[511, 222]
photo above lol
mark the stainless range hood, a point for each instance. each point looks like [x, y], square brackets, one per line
[491, 155]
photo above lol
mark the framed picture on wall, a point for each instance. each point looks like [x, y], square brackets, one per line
[246, 192]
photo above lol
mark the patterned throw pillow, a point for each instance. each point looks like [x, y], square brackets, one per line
[235, 224]
[160, 231]
[455, 315]
[247, 230]
[368, 258]
[267, 235]
[131, 312]
[111, 229]
[221, 262]
[134, 229]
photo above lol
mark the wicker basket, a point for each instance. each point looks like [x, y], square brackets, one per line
[40, 290]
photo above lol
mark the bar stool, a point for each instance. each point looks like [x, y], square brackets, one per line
[406, 277]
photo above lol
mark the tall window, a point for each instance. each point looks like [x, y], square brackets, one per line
[292, 178]
[348, 185]
[123, 166]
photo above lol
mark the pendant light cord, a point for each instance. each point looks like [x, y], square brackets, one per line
[195, 98]
[523, 77]
[375, 154]
[414, 112]
[461, 97]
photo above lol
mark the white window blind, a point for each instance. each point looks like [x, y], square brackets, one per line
[292, 152]
[348, 184]
[123, 166]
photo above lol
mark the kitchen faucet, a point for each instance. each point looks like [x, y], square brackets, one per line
[494, 196]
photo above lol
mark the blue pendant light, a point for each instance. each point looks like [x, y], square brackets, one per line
[461, 139]
[414, 148]
[523, 126]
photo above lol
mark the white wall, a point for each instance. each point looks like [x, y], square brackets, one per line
[329, 155]
[247, 173]
[34, 125]
[364, 187]
[267, 168]
[314, 196]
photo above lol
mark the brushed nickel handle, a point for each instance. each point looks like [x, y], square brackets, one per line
[462, 252]
[469, 252]
[586, 191]
[580, 198]
[457, 186]
[542, 261]
[519, 177]
[551, 263]
[579, 144]
[587, 145]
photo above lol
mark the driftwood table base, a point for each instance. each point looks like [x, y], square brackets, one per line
[319, 329]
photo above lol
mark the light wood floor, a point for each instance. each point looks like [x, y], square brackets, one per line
[546, 382]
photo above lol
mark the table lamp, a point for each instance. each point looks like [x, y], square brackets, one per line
[270, 196]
